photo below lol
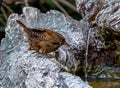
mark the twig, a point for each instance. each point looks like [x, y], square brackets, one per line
[19, 2]
[7, 7]
[60, 7]
[69, 5]
[22, 2]
[26, 2]
[4, 13]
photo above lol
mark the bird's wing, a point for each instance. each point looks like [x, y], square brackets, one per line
[39, 34]
[39, 30]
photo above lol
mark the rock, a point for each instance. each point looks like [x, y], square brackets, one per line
[108, 19]
[20, 68]
[90, 8]
[76, 84]
[108, 72]
[102, 16]
[109, 16]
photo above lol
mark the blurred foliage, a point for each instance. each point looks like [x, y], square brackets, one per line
[15, 6]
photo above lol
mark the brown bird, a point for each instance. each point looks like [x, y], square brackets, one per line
[43, 40]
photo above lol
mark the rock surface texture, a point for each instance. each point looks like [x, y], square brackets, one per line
[104, 16]
[20, 68]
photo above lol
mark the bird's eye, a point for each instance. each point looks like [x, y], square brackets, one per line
[62, 41]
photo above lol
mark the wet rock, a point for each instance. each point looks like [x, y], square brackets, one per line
[107, 72]
[108, 20]
[21, 68]
[108, 16]
[105, 15]
[67, 76]
[90, 8]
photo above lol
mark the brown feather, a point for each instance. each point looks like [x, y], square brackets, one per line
[43, 40]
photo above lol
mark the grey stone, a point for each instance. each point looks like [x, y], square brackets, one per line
[109, 16]
[20, 68]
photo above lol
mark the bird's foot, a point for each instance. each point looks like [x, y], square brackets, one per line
[50, 56]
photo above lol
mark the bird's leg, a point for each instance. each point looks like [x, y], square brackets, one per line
[53, 55]
[50, 55]
[29, 48]
[42, 51]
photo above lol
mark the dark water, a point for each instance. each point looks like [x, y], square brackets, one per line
[105, 83]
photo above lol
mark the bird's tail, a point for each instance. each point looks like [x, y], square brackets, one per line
[26, 29]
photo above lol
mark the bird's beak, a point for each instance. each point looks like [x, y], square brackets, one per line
[65, 43]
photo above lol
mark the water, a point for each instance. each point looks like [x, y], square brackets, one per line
[102, 82]
[105, 83]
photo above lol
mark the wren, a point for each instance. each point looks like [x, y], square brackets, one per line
[43, 40]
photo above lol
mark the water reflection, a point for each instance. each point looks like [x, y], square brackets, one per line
[105, 83]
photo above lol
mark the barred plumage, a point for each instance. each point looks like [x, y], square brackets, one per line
[43, 40]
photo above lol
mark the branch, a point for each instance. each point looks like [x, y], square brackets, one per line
[60, 7]
[69, 5]
[7, 7]
[4, 13]
[26, 2]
